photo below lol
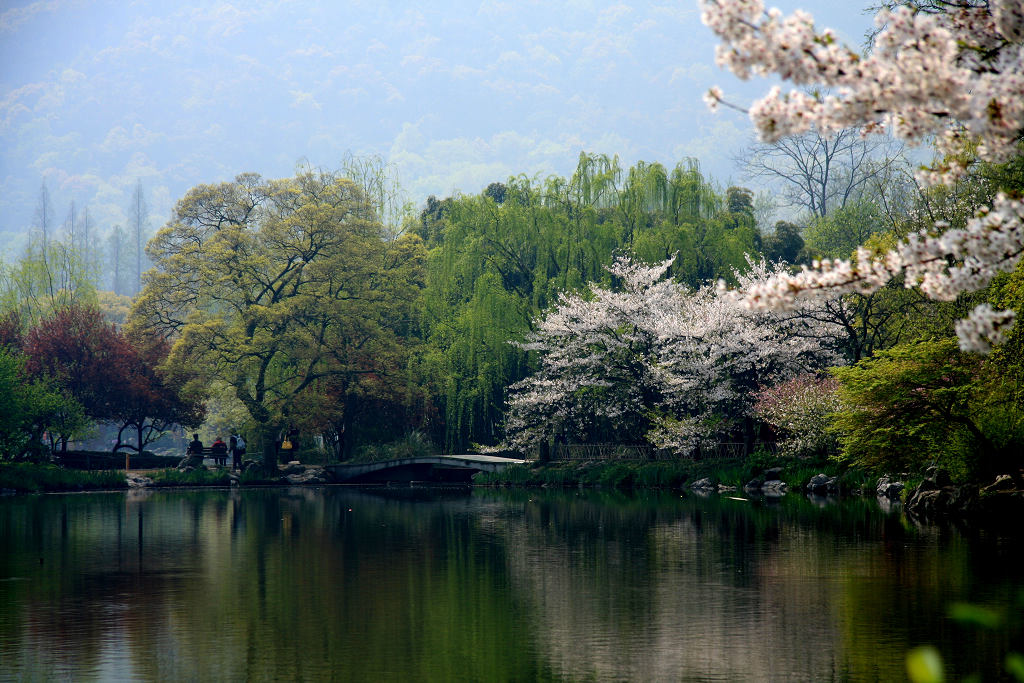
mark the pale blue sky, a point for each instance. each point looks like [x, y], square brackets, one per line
[97, 95]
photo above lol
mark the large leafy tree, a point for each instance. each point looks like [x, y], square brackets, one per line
[29, 406]
[267, 286]
[929, 399]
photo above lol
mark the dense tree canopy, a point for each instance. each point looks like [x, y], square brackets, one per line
[929, 401]
[273, 286]
[500, 258]
[82, 354]
[149, 400]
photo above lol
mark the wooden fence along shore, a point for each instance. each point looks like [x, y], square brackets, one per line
[616, 451]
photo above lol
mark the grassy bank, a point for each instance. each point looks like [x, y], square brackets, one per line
[32, 478]
[37, 478]
[671, 474]
[199, 477]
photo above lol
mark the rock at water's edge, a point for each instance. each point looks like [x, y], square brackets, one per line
[889, 488]
[193, 461]
[822, 484]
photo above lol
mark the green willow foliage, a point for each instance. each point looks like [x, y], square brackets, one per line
[498, 259]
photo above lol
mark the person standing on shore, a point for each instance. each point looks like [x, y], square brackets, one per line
[237, 447]
[287, 447]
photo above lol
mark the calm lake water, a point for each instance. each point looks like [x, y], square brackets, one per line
[363, 585]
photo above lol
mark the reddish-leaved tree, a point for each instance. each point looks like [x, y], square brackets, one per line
[115, 379]
[84, 355]
[151, 401]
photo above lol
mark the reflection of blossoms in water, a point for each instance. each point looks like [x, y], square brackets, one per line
[956, 77]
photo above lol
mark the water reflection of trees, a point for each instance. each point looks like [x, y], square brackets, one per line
[506, 585]
[664, 587]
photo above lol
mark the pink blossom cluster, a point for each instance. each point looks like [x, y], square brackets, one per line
[955, 77]
[801, 409]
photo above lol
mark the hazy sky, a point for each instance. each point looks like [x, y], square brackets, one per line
[96, 96]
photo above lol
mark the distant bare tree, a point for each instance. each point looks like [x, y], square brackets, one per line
[69, 226]
[821, 173]
[138, 214]
[44, 214]
[116, 243]
[86, 245]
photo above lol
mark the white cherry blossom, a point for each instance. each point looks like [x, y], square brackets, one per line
[956, 78]
[672, 367]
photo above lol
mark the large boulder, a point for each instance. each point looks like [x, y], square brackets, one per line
[704, 484]
[822, 484]
[194, 462]
[774, 487]
[137, 481]
[1003, 483]
[311, 476]
[928, 500]
[887, 487]
[937, 496]
[249, 464]
[938, 476]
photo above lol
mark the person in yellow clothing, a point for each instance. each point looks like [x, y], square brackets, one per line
[290, 444]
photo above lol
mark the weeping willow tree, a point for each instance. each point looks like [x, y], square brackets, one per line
[501, 257]
[49, 276]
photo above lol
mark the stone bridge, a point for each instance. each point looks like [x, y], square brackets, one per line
[439, 468]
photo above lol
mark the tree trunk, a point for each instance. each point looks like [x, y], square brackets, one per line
[267, 433]
[748, 436]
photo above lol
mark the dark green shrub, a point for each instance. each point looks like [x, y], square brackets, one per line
[415, 444]
[618, 475]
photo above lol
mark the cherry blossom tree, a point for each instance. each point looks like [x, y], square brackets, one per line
[955, 77]
[801, 410]
[653, 361]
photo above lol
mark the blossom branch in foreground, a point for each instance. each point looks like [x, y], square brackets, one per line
[955, 77]
[992, 242]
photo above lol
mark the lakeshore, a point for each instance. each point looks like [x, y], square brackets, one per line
[931, 494]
